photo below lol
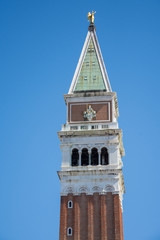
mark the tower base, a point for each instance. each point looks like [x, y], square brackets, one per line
[91, 217]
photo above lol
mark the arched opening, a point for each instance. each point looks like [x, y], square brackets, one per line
[70, 204]
[69, 231]
[104, 156]
[84, 157]
[75, 157]
[94, 156]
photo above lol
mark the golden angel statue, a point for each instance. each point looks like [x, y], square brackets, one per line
[91, 16]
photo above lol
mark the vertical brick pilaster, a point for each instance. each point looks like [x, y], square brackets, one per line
[103, 218]
[121, 221]
[110, 216]
[76, 218]
[96, 216]
[63, 219]
[83, 216]
[118, 218]
[90, 217]
[70, 216]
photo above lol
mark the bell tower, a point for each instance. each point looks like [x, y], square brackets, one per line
[91, 175]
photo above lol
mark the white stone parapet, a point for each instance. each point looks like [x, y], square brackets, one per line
[89, 126]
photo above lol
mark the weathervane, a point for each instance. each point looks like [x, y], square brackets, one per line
[91, 16]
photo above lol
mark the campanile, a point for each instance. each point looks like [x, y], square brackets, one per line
[91, 175]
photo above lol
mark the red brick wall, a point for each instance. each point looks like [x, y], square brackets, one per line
[93, 217]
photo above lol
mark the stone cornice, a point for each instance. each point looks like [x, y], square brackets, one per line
[89, 133]
[90, 94]
[105, 132]
[111, 172]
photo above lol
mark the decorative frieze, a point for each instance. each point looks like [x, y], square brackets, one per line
[89, 190]
[91, 182]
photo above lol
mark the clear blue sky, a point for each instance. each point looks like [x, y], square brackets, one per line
[40, 44]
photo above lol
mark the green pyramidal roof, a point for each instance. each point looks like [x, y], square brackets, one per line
[90, 73]
[90, 76]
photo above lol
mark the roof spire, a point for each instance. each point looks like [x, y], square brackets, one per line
[91, 18]
[90, 74]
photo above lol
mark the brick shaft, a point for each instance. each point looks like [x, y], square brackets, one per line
[93, 217]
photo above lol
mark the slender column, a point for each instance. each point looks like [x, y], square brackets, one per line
[71, 158]
[80, 153]
[110, 150]
[99, 157]
[89, 152]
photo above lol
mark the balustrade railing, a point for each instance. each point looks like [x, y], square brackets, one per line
[82, 127]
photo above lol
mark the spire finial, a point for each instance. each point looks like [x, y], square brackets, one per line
[91, 16]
